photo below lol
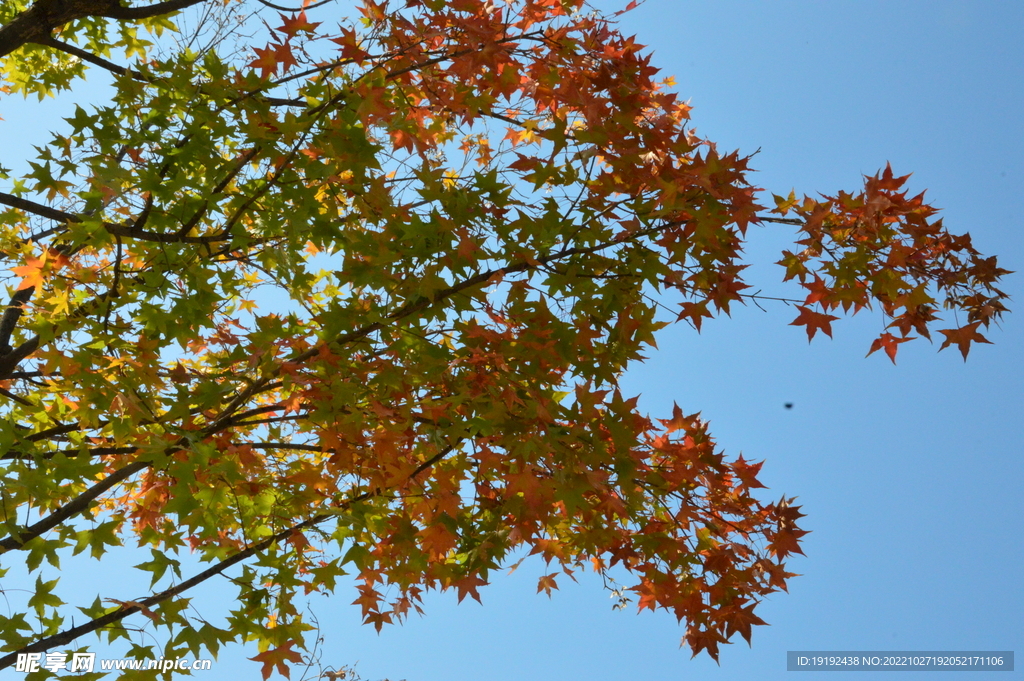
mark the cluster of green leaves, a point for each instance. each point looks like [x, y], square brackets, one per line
[358, 301]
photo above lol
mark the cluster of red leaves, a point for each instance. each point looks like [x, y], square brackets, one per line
[881, 246]
[671, 511]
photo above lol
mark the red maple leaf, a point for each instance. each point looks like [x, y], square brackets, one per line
[747, 472]
[704, 640]
[278, 657]
[292, 25]
[266, 60]
[468, 585]
[889, 343]
[740, 619]
[694, 312]
[814, 321]
[283, 55]
[963, 337]
[819, 292]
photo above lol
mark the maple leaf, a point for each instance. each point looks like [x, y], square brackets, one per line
[706, 639]
[368, 599]
[679, 421]
[747, 472]
[266, 60]
[963, 337]
[378, 619]
[741, 619]
[547, 583]
[888, 181]
[513, 135]
[694, 313]
[31, 272]
[467, 585]
[283, 55]
[786, 539]
[349, 44]
[436, 540]
[814, 321]
[278, 657]
[786, 542]
[889, 343]
[291, 26]
[819, 292]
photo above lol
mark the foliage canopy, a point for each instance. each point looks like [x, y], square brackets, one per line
[309, 298]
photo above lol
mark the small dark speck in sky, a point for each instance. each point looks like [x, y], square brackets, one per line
[789, 405]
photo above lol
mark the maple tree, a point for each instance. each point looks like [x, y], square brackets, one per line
[354, 298]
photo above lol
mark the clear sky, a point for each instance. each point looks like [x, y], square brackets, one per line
[910, 475]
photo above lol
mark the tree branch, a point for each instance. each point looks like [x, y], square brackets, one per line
[65, 637]
[95, 451]
[11, 315]
[419, 305]
[17, 540]
[90, 58]
[37, 23]
[785, 221]
[125, 231]
[37, 208]
[281, 8]
[148, 11]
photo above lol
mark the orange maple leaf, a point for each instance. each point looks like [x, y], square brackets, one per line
[265, 61]
[678, 420]
[963, 337]
[814, 321]
[350, 50]
[283, 55]
[278, 657]
[747, 472]
[292, 25]
[468, 585]
[31, 272]
[547, 583]
[889, 343]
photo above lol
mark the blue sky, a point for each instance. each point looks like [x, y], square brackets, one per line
[910, 475]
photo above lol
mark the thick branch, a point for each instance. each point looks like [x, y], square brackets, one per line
[11, 315]
[10, 361]
[37, 208]
[148, 11]
[785, 221]
[126, 231]
[281, 8]
[37, 23]
[95, 451]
